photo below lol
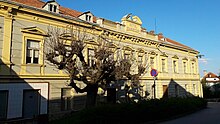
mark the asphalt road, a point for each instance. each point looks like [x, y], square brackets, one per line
[210, 115]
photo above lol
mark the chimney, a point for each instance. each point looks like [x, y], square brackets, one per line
[160, 34]
[151, 32]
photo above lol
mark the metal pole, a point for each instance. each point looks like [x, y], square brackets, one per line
[154, 88]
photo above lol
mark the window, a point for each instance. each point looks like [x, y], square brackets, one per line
[193, 68]
[126, 56]
[184, 67]
[163, 65]
[52, 8]
[88, 18]
[194, 89]
[140, 60]
[55, 8]
[91, 57]
[32, 55]
[4, 104]
[66, 99]
[175, 66]
[152, 62]
[176, 90]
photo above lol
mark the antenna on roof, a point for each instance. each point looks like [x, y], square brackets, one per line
[155, 25]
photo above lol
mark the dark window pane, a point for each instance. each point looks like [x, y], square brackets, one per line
[51, 7]
[28, 59]
[35, 60]
[55, 9]
[4, 104]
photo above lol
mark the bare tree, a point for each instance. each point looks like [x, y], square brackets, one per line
[65, 49]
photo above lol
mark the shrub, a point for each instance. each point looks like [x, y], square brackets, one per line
[144, 111]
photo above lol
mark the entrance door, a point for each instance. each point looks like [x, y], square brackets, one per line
[165, 91]
[31, 103]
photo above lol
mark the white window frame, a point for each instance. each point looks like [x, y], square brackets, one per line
[88, 18]
[52, 8]
[32, 52]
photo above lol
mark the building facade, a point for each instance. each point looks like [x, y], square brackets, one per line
[210, 79]
[31, 86]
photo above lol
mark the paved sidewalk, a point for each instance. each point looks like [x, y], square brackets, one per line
[210, 115]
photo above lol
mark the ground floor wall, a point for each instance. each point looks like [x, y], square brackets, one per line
[173, 88]
[56, 98]
[23, 100]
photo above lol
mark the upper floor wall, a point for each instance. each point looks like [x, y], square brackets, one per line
[24, 32]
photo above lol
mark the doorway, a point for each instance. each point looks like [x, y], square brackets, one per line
[31, 103]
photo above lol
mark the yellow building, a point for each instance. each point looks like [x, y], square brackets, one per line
[31, 86]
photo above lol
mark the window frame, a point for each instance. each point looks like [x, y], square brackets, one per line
[88, 18]
[175, 65]
[39, 38]
[152, 61]
[184, 67]
[66, 101]
[33, 49]
[177, 92]
[164, 67]
[91, 61]
[140, 59]
[52, 8]
[193, 68]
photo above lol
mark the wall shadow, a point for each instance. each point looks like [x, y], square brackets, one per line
[173, 89]
[121, 92]
[21, 101]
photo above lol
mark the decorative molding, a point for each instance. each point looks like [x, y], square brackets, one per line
[34, 30]
[164, 54]
[153, 53]
[175, 57]
[185, 59]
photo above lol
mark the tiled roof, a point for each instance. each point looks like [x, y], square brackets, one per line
[210, 75]
[39, 4]
[69, 12]
[170, 41]
[214, 78]
[34, 3]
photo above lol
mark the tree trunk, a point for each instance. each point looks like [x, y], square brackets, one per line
[91, 95]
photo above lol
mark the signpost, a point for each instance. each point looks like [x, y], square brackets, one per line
[154, 73]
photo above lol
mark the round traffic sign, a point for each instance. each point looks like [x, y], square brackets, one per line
[153, 72]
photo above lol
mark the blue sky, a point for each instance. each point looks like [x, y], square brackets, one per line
[195, 23]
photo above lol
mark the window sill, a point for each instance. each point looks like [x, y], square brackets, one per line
[34, 65]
